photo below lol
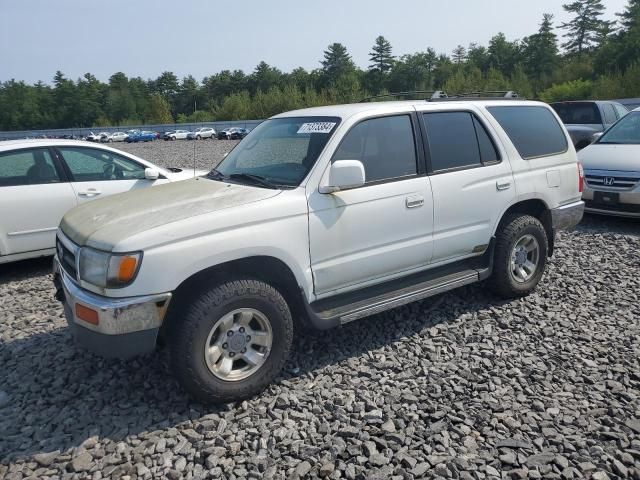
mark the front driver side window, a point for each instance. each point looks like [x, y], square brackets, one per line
[385, 146]
[92, 164]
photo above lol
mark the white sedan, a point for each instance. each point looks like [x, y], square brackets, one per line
[41, 179]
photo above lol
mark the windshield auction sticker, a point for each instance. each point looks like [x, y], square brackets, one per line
[317, 127]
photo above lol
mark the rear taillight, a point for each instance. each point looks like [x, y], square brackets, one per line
[580, 178]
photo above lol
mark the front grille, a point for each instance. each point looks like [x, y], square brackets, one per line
[67, 259]
[612, 181]
[618, 207]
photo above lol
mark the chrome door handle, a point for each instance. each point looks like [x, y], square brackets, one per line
[414, 201]
[92, 192]
[503, 185]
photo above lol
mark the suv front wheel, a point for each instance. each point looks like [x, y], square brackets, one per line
[520, 256]
[232, 342]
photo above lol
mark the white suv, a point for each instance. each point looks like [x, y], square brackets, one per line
[318, 217]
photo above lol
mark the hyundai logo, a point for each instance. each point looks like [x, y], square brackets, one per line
[609, 181]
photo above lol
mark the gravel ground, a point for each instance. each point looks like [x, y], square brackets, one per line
[461, 385]
[180, 153]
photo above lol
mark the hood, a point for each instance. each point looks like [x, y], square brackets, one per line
[590, 128]
[185, 174]
[105, 222]
[600, 156]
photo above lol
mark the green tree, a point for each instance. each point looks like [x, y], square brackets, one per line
[158, 110]
[540, 50]
[503, 54]
[459, 55]
[381, 59]
[585, 28]
[336, 63]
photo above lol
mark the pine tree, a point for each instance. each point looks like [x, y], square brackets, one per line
[541, 49]
[336, 63]
[381, 63]
[583, 31]
[380, 56]
[459, 54]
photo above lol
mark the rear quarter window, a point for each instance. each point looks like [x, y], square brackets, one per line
[533, 130]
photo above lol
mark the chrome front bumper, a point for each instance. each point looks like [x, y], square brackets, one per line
[567, 216]
[125, 326]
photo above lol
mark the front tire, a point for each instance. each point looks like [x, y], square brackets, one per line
[232, 341]
[520, 256]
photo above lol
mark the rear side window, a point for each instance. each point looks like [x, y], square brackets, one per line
[457, 140]
[27, 167]
[609, 113]
[385, 146]
[533, 130]
[621, 111]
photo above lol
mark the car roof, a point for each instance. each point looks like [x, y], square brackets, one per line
[51, 142]
[348, 110]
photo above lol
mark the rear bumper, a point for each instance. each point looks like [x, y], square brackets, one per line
[125, 327]
[567, 216]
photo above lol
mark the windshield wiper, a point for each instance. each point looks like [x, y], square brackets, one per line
[256, 179]
[215, 175]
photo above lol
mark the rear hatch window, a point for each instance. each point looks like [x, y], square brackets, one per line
[578, 113]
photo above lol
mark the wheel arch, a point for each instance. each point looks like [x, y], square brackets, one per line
[536, 207]
[265, 268]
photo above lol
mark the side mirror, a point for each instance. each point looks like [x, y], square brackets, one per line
[151, 174]
[344, 174]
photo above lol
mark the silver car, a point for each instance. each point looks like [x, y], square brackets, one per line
[612, 169]
[202, 133]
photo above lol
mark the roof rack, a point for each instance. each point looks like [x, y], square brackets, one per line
[428, 95]
[488, 95]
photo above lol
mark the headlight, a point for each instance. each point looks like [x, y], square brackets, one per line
[108, 270]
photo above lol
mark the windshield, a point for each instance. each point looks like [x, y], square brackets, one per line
[280, 151]
[626, 131]
[578, 113]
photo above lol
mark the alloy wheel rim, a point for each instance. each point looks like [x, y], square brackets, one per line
[238, 344]
[525, 257]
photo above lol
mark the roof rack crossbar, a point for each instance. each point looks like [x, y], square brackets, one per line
[430, 95]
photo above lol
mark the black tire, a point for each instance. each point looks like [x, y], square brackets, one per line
[198, 137]
[189, 334]
[512, 229]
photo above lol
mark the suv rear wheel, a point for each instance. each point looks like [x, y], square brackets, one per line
[520, 256]
[232, 342]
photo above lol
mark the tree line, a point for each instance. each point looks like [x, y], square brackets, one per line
[586, 57]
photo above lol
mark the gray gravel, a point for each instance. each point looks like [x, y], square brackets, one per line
[180, 153]
[462, 385]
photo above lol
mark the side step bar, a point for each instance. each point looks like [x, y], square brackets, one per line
[352, 306]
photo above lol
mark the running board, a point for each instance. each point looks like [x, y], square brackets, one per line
[351, 306]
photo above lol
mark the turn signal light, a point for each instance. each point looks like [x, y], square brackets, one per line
[87, 314]
[127, 269]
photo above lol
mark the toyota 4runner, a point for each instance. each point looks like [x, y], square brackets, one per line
[318, 217]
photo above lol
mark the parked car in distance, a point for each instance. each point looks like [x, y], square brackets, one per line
[202, 133]
[114, 137]
[233, 133]
[176, 135]
[95, 137]
[612, 170]
[41, 179]
[585, 119]
[319, 217]
[140, 136]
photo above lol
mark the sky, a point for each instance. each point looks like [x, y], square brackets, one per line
[201, 37]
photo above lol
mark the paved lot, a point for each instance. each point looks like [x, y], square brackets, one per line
[462, 385]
